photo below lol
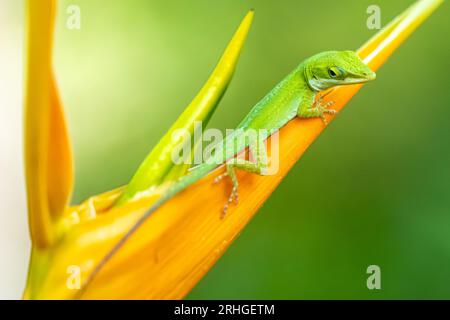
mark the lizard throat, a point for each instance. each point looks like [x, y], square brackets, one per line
[317, 85]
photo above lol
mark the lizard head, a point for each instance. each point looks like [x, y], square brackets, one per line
[335, 68]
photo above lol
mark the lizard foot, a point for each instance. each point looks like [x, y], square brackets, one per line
[323, 109]
[233, 196]
[234, 192]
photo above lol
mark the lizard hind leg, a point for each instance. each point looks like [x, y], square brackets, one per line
[234, 191]
[260, 167]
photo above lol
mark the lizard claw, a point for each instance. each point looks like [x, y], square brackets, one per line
[219, 178]
[324, 119]
[330, 111]
[323, 109]
[233, 196]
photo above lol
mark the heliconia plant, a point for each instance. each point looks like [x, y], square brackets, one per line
[177, 245]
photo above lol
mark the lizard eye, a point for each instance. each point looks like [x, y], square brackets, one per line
[332, 73]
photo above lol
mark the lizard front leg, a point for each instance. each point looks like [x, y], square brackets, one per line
[310, 109]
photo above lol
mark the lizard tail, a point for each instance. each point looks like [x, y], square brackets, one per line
[177, 187]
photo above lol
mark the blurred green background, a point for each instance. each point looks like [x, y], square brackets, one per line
[373, 189]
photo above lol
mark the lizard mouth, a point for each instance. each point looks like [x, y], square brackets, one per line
[354, 80]
[371, 76]
[318, 84]
[360, 78]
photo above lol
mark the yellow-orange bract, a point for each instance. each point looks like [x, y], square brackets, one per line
[180, 242]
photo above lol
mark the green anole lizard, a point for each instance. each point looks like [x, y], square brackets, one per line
[294, 96]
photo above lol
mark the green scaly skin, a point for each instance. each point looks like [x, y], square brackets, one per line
[293, 97]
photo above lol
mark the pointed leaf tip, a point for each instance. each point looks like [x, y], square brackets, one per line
[158, 167]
